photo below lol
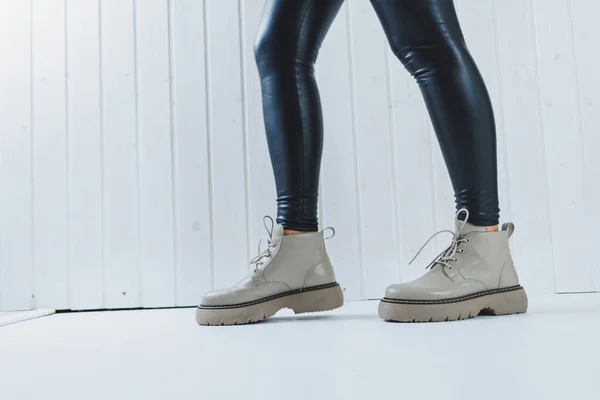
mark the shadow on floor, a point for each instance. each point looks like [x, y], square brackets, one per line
[347, 317]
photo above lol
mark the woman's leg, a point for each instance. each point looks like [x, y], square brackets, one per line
[475, 275]
[293, 271]
[426, 36]
[289, 38]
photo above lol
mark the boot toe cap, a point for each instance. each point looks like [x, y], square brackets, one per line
[419, 291]
[217, 298]
[404, 291]
[411, 291]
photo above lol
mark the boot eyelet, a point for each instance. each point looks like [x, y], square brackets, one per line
[456, 259]
[461, 250]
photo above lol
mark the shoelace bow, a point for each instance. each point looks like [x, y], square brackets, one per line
[263, 256]
[448, 255]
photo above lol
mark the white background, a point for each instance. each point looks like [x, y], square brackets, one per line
[135, 173]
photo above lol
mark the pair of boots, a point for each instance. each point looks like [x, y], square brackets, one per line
[475, 275]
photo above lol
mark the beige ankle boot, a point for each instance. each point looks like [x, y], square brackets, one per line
[475, 275]
[293, 272]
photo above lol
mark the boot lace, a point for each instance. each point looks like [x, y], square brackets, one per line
[449, 254]
[265, 255]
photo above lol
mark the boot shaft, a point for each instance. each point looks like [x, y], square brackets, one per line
[486, 256]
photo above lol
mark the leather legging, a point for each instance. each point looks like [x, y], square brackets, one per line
[426, 37]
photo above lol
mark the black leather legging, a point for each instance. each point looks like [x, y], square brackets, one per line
[426, 37]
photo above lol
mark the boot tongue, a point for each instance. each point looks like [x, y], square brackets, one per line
[468, 228]
[277, 232]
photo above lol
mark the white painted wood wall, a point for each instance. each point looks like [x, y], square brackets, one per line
[135, 173]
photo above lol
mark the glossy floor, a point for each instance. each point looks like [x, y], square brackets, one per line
[553, 352]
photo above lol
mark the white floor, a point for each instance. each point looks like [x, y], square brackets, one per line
[553, 352]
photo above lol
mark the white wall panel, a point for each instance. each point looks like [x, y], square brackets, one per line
[522, 132]
[374, 155]
[50, 153]
[135, 170]
[84, 154]
[339, 173]
[585, 32]
[415, 147]
[120, 155]
[17, 276]
[561, 117]
[227, 135]
[155, 151]
[192, 201]
[260, 184]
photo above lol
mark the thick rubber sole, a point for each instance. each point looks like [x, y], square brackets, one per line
[505, 301]
[312, 299]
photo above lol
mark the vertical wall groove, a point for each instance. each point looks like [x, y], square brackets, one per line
[243, 76]
[32, 155]
[137, 150]
[394, 172]
[431, 147]
[355, 148]
[67, 161]
[569, 11]
[501, 114]
[209, 144]
[102, 145]
[539, 92]
[575, 72]
[320, 189]
[173, 136]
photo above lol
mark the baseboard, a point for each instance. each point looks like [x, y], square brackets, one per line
[8, 318]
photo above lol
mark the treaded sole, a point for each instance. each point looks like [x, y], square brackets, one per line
[306, 301]
[507, 302]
